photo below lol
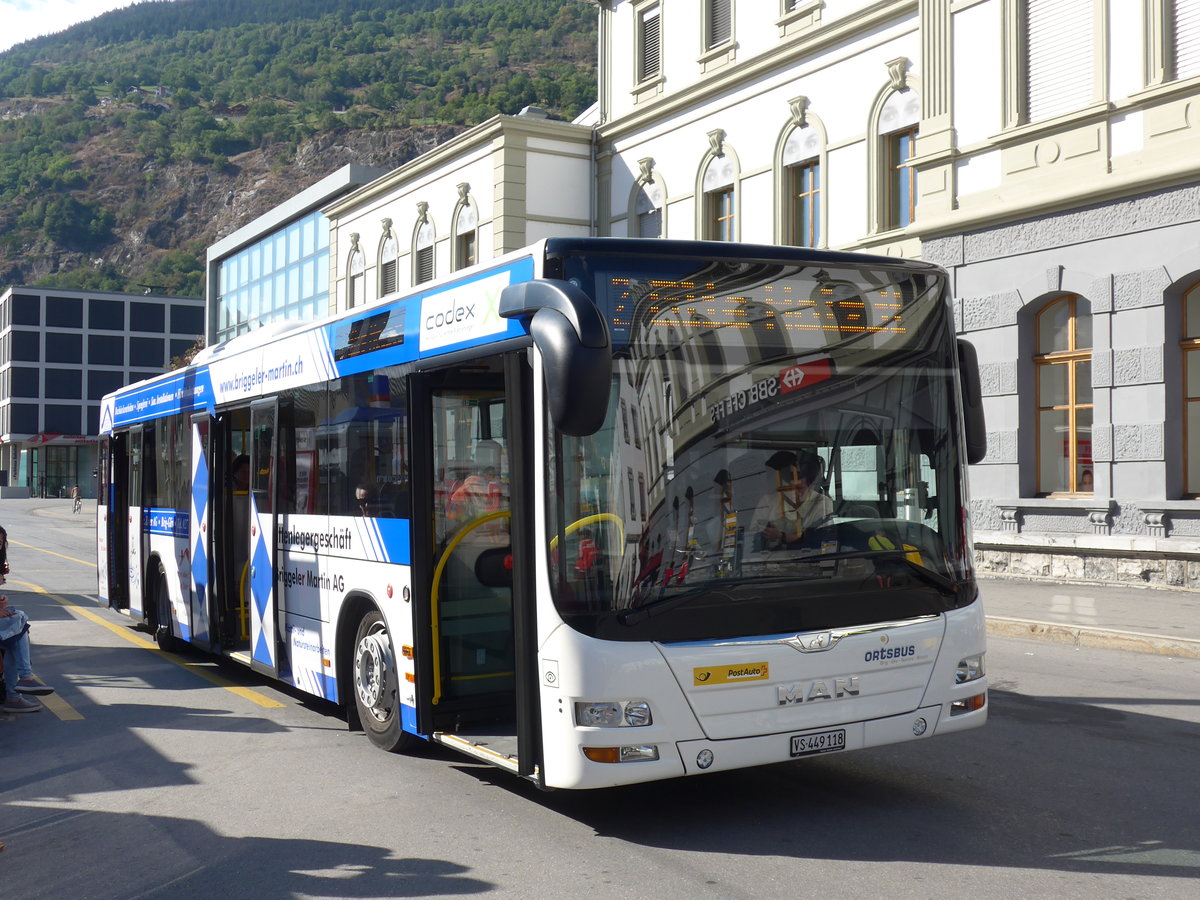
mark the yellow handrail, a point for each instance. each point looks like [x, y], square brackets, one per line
[433, 593]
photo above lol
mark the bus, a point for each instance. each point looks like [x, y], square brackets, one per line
[598, 512]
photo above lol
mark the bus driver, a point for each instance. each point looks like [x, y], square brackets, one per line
[796, 504]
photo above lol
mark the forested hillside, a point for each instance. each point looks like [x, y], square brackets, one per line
[130, 143]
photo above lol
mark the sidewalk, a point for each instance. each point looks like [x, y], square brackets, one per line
[1144, 620]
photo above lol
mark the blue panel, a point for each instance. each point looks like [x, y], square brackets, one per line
[183, 393]
[396, 539]
[263, 579]
[408, 719]
[262, 653]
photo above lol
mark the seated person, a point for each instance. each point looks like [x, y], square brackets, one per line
[18, 675]
[796, 505]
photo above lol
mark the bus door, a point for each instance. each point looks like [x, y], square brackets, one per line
[265, 633]
[114, 506]
[199, 531]
[136, 536]
[229, 527]
[476, 629]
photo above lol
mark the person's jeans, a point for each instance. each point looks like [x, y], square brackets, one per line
[16, 660]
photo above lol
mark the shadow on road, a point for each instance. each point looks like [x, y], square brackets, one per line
[169, 857]
[1049, 783]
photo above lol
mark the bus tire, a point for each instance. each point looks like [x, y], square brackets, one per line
[377, 686]
[162, 614]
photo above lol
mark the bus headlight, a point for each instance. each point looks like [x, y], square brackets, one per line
[612, 713]
[969, 669]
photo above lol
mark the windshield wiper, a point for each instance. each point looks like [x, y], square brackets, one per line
[662, 604]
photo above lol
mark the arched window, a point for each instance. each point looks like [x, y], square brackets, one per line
[648, 212]
[423, 246]
[466, 224]
[646, 202]
[466, 238]
[1063, 366]
[1190, 348]
[356, 269]
[389, 253]
[718, 187]
[897, 145]
[802, 176]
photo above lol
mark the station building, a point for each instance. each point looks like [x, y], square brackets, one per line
[1043, 151]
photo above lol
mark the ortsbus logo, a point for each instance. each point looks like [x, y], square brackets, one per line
[465, 313]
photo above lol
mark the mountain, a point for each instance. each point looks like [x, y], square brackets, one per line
[130, 143]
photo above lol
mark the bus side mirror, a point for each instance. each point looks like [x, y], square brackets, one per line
[968, 376]
[573, 339]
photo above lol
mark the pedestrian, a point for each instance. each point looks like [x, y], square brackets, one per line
[3, 554]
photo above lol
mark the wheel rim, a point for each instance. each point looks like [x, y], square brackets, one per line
[373, 672]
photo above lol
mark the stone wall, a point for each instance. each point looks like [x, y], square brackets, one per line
[1159, 571]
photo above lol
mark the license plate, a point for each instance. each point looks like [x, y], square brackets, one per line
[818, 742]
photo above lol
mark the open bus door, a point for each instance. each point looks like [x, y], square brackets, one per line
[200, 532]
[135, 557]
[475, 624]
[114, 504]
[265, 634]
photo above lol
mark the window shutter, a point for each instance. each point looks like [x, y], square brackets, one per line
[720, 22]
[1060, 60]
[387, 267]
[424, 264]
[651, 61]
[387, 278]
[1186, 28]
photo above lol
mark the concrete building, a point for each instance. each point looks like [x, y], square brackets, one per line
[60, 352]
[1043, 151]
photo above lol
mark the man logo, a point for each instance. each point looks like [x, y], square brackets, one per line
[812, 643]
[817, 690]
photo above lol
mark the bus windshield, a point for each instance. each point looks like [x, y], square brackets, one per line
[781, 453]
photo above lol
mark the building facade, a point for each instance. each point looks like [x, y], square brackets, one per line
[61, 351]
[1043, 151]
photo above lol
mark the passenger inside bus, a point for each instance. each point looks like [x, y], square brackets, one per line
[482, 491]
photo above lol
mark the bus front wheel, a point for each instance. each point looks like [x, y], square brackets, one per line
[377, 686]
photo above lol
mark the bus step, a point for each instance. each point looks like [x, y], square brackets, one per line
[498, 750]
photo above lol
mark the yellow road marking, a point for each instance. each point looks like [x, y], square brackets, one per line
[82, 562]
[201, 669]
[60, 707]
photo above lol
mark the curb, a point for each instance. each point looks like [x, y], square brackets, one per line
[1081, 636]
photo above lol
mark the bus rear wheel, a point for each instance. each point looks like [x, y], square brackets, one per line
[377, 686]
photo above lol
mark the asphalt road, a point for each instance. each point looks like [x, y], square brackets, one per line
[157, 775]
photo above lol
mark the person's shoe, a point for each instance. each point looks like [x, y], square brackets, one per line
[21, 705]
[30, 685]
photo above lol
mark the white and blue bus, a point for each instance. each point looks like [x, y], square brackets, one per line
[599, 512]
